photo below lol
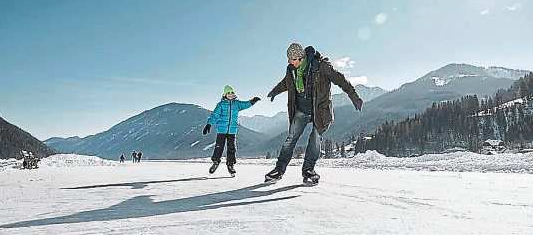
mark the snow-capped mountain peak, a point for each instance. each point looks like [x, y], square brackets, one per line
[501, 72]
[452, 72]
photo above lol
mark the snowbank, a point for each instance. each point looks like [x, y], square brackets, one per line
[457, 161]
[9, 164]
[73, 160]
[59, 160]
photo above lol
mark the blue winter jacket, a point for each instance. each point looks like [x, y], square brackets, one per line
[226, 114]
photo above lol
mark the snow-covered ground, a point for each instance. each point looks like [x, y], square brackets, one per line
[355, 196]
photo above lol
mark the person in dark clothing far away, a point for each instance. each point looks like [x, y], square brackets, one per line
[139, 156]
[307, 82]
[225, 118]
[122, 158]
[134, 156]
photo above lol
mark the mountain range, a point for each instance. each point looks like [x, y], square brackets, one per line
[173, 130]
[170, 131]
[446, 83]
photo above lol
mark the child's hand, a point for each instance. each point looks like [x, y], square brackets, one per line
[254, 100]
[207, 128]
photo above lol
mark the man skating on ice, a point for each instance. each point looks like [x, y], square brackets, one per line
[308, 83]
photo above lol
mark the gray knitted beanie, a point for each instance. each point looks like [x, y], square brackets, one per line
[295, 51]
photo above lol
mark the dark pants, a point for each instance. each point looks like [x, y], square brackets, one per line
[219, 148]
[296, 129]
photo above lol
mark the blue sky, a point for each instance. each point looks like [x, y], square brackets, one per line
[79, 67]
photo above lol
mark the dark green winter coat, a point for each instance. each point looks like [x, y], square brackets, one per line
[323, 74]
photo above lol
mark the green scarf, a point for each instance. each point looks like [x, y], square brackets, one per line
[300, 75]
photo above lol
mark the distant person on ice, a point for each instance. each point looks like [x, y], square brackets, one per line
[308, 84]
[139, 156]
[134, 156]
[225, 118]
[122, 158]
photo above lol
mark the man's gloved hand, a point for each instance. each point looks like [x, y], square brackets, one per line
[254, 100]
[358, 104]
[271, 96]
[207, 128]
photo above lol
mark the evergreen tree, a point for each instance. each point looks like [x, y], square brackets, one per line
[343, 151]
[328, 148]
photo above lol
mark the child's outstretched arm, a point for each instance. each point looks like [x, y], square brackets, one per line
[247, 104]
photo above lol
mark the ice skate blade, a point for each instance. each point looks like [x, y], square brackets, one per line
[271, 181]
[309, 183]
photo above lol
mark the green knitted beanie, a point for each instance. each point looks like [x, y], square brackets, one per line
[228, 89]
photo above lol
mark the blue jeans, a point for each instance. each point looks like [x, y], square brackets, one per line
[296, 129]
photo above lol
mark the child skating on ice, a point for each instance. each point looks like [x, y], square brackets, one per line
[225, 119]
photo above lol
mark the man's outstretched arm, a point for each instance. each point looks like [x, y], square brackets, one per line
[338, 79]
[280, 88]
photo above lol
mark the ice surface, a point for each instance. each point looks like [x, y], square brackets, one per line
[355, 196]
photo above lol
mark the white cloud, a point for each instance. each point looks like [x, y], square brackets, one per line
[343, 63]
[485, 12]
[358, 80]
[363, 34]
[346, 65]
[381, 18]
[514, 7]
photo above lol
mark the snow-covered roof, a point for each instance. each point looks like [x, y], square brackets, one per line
[456, 149]
[494, 142]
